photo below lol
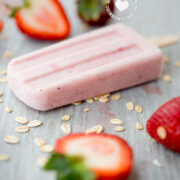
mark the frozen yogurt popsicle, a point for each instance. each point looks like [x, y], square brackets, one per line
[101, 61]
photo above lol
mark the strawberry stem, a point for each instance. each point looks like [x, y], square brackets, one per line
[26, 4]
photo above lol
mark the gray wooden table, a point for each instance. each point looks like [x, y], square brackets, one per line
[152, 18]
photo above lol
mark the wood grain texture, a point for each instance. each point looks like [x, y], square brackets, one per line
[153, 18]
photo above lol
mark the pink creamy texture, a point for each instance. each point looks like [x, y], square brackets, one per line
[104, 60]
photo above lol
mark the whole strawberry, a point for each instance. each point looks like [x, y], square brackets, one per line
[93, 12]
[164, 125]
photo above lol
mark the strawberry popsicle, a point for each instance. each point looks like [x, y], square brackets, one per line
[101, 61]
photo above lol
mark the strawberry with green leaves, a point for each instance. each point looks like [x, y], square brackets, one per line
[42, 19]
[94, 12]
[91, 157]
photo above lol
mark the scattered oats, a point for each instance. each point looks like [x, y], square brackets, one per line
[8, 109]
[139, 109]
[139, 126]
[21, 120]
[1, 101]
[161, 131]
[47, 148]
[22, 129]
[167, 78]
[116, 97]
[87, 109]
[165, 60]
[39, 142]
[116, 121]
[66, 128]
[130, 106]
[120, 128]
[157, 163]
[77, 103]
[41, 161]
[90, 100]
[11, 139]
[3, 80]
[4, 72]
[96, 129]
[1, 93]
[8, 54]
[66, 117]
[104, 99]
[177, 63]
[34, 123]
[4, 157]
[165, 40]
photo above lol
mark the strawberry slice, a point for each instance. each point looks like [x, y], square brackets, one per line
[107, 157]
[1, 25]
[42, 19]
[164, 124]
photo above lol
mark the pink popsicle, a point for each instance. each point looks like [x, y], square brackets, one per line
[98, 62]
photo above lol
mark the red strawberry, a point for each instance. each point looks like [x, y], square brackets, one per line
[108, 157]
[1, 25]
[42, 19]
[164, 124]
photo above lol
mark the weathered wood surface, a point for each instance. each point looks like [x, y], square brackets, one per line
[153, 18]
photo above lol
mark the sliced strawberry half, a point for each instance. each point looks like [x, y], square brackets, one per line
[107, 156]
[164, 124]
[1, 25]
[43, 19]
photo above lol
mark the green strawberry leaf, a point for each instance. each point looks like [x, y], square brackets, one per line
[26, 4]
[92, 9]
[69, 168]
[14, 11]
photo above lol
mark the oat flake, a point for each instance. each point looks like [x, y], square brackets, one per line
[21, 120]
[22, 129]
[34, 123]
[66, 128]
[116, 97]
[66, 117]
[4, 157]
[120, 128]
[139, 126]
[116, 121]
[11, 139]
[139, 109]
[47, 148]
[39, 142]
[130, 106]
[87, 109]
[90, 100]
